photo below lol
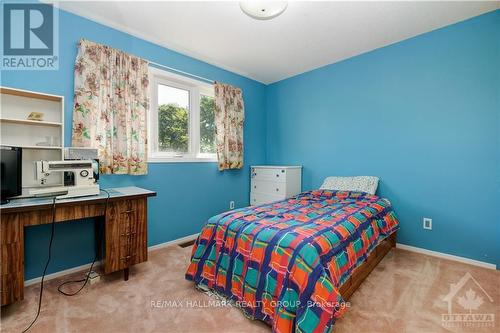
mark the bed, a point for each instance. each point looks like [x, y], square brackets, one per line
[293, 263]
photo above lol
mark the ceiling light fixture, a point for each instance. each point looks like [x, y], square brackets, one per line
[263, 10]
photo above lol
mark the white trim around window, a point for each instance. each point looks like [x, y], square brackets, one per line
[196, 89]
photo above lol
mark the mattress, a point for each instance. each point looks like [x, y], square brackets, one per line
[283, 263]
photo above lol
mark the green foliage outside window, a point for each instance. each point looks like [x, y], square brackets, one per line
[207, 124]
[173, 127]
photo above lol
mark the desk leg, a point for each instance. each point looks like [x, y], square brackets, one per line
[125, 274]
[12, 258]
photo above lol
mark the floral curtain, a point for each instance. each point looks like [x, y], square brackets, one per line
[229, 118]
[110, 104]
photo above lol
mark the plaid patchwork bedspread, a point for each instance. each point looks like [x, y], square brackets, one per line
[284, 262]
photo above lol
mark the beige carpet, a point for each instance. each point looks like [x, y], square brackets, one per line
[403, 294]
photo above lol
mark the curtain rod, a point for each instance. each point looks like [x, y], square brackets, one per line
[155, 64]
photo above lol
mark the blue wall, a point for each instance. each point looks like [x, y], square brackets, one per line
[188, 194]
[423, 115]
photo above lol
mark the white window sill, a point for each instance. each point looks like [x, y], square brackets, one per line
[162, 159]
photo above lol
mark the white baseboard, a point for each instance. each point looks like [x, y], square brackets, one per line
[61, 273]
[174, 242]
[98, 263]
[446, 256]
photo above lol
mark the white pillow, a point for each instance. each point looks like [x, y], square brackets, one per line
[366, 184]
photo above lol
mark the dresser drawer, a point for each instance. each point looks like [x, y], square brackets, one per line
[269, 187]
[257, 198]
[269, 174]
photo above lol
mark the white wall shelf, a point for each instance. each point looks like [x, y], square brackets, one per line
[40, 140]
[32, 147]
[30, 122]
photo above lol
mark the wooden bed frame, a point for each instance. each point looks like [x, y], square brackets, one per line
[362, 271]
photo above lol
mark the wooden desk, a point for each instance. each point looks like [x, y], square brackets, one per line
[125, 231]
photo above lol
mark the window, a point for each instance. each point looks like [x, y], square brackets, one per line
[181, 121]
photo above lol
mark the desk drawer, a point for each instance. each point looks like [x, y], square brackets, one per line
[63, 213]
[128, 216]
[132, 249]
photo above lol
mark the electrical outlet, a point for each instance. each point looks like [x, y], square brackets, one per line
[427, 223]
[231, 204]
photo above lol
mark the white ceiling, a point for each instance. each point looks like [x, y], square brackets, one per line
[307, 35]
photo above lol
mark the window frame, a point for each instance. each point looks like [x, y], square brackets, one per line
[195, 88]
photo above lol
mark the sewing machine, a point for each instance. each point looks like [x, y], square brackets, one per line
[84, 182]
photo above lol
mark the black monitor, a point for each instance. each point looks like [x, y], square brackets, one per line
[10, 172]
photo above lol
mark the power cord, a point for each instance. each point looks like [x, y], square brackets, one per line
[53, 224]
[87, 277]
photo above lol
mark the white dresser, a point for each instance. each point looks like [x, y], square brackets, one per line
[274, 183]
